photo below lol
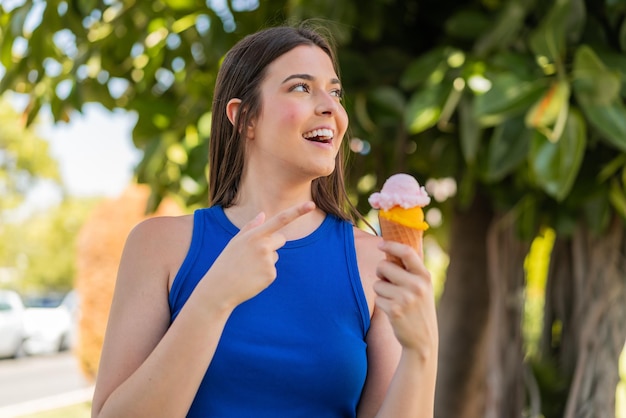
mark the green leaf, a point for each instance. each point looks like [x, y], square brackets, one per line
[6, 46]
[19, 17]
[386, 103]
[509, 96]
[181, 5]
[508, 148]
[424, 108]
[610, 121]
[544, 113]
[566, 17]
[597, 91]
[59, 109]
[470, 132]
[593, 82]
[617, 61]
[506, 28]
[517, 63]
[422, 68]
[32, 110]
[184, 23]
[609, 169]
[556, 164]
[8, 80]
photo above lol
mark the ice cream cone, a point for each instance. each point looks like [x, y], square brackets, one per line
[393, 231]
[400, 215]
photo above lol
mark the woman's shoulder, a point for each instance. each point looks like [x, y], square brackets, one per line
[366, 246]
[364, 240]
[162, 239]
[163, 227]
[154, 250]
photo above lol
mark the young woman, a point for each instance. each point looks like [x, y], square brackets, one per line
[270, 303]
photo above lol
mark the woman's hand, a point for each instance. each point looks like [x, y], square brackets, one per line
[406, 296]
[247, 265]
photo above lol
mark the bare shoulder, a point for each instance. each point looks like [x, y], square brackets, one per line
[366, 238]
[162, 230]
[161, 240]
[368, 256]
[163, 226]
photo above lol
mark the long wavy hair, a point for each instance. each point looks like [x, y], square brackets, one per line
[240, 76]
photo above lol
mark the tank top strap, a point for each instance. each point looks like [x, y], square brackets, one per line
[355, 276]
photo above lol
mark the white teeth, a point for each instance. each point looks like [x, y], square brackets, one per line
[321, 133]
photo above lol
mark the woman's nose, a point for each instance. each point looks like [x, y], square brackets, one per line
[326, 104]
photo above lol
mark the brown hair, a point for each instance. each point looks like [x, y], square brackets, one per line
[240, 76]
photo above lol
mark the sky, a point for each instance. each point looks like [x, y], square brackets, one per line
[94, 150]
[95, 154]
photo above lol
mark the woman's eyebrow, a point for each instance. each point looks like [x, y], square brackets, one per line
[308, 77]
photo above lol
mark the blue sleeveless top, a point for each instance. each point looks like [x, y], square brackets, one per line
[297, 349]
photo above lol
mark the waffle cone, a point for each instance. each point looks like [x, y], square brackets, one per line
[393, 231]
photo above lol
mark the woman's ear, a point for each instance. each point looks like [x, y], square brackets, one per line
[232, 109]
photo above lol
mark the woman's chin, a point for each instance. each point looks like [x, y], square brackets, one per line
[326, 171]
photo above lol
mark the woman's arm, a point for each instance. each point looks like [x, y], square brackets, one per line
[146, 369]
[402, 340]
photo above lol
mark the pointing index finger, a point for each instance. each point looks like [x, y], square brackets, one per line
[287, 216]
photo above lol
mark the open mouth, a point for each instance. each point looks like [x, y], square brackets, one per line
[324, 136]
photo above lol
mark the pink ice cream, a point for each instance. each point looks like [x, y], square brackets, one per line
[400, 190]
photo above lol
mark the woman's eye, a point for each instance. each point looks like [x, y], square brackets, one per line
[337, 93]
[301, 87]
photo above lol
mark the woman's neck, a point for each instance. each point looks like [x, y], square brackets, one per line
[273, 198]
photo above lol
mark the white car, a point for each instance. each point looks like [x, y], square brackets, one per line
[47, 326]
[11, 324]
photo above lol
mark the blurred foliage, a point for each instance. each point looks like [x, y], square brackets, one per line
[24, 159]
[38, 248]
[28, 247]
[42, 247]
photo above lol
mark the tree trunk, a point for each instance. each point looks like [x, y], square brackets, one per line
[505, 395]
[462, 316]
[591, 307]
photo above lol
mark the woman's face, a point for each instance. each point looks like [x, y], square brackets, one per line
[302, 122]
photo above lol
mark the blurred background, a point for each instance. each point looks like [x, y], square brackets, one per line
[511, 112]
